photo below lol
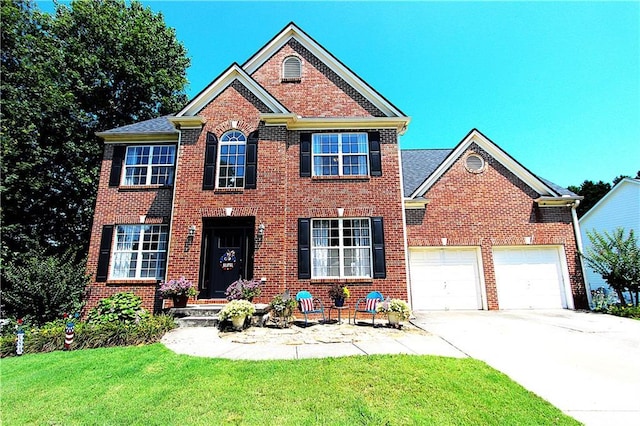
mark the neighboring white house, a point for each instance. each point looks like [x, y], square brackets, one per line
[619, 208]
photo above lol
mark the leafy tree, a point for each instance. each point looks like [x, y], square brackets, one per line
[44, 287]
[617, 259]
[592, 193]
[90, 67]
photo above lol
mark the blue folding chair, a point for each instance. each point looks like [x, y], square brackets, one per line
[367, 305]
[308, 305]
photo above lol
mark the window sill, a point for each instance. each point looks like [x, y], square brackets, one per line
[133, 188]
[228, 191]
[359, 178]
[291, 80]
[132, 281]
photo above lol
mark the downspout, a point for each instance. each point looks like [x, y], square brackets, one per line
[404, 228]
[578, 234]
[173, 203]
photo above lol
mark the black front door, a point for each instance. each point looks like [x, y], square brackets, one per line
[226, 256]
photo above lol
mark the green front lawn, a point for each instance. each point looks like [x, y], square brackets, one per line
[150, 385]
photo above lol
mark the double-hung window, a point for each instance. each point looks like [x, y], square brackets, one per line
[341, 248]
[340, 154]
[149, 165]
[139, 252]
[231, 161]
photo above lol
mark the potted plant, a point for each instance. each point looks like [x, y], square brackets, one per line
[282, 307]
[237, 311]
[244, 290]
[397, 310]
[338, 293]
[179, 290]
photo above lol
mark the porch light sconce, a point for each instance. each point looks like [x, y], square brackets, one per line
[444, 241]
[340, 211]
[260, 235]
[191, 233]
[528, 240]
[228, 211]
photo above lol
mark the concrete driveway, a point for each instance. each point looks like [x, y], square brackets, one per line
[586, 364]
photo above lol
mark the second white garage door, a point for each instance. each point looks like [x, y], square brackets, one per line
[529, 277]
[444, 278]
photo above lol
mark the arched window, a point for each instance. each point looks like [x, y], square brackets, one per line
[291, 69]
[231, 161]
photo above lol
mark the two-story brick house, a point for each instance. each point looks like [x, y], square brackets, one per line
[287, 168]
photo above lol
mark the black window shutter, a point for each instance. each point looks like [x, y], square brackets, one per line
[379, 266]
[105, 253]
[116, 164]
[304, 248]
[305, 155]
[209, 178]
[250, 176]
[375, 159]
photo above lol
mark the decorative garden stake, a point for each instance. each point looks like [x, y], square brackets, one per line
[69, 332]
[20, 339]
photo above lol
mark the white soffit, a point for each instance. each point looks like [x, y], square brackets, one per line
[234, 72]
[492, 149]
[292, 31]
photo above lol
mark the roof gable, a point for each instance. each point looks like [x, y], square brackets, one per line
[231, 74]
[611, 195]
[291, 31]
[475, 136]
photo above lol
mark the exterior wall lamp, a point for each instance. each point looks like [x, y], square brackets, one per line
[191, 233]
[259, 235]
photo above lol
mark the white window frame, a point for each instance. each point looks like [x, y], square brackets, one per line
[139, 232]
[150, 165]
[320, 251]
[224, 143]
[340, 155]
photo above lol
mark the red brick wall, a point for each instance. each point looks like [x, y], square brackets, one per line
[493, 208]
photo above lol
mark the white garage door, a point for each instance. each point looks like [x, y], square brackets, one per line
[444, 278]
[529, 278]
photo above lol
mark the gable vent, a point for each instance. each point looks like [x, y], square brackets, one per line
[292, 69]
[474, 163]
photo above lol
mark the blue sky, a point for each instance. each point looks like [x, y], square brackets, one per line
[554, 84]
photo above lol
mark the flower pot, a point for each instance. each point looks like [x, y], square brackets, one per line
[180, 301]
[338, 302]
[395, 318]
[238, 321]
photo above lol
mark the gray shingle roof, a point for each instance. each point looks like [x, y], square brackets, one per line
[418, 164]
[155, 125]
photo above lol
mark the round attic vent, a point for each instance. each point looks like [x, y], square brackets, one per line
[474, 163]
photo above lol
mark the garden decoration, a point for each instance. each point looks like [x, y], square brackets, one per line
[244, 290]
[69, 331]
[338, 293]
[282, 307]
[397, 310]
[20, 338]
[237, 311]
[179, 290]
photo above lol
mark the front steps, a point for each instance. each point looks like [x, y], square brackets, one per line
[206, 315]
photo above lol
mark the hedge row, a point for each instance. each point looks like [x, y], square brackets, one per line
[50, 337]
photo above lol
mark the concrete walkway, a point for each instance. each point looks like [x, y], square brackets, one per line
[315, 341]
[586, 364]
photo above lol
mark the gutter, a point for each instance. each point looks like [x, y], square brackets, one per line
[578, 234]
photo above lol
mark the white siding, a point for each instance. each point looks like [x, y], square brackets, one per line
[619, 208]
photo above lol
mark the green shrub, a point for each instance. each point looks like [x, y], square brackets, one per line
[120, 307]
[50, 336]
[627, 311]
[42, 287]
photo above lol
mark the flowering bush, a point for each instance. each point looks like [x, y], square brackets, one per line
[395, 305]
[179, 287]
[236, 308]
[243, 290]
[339, 291]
